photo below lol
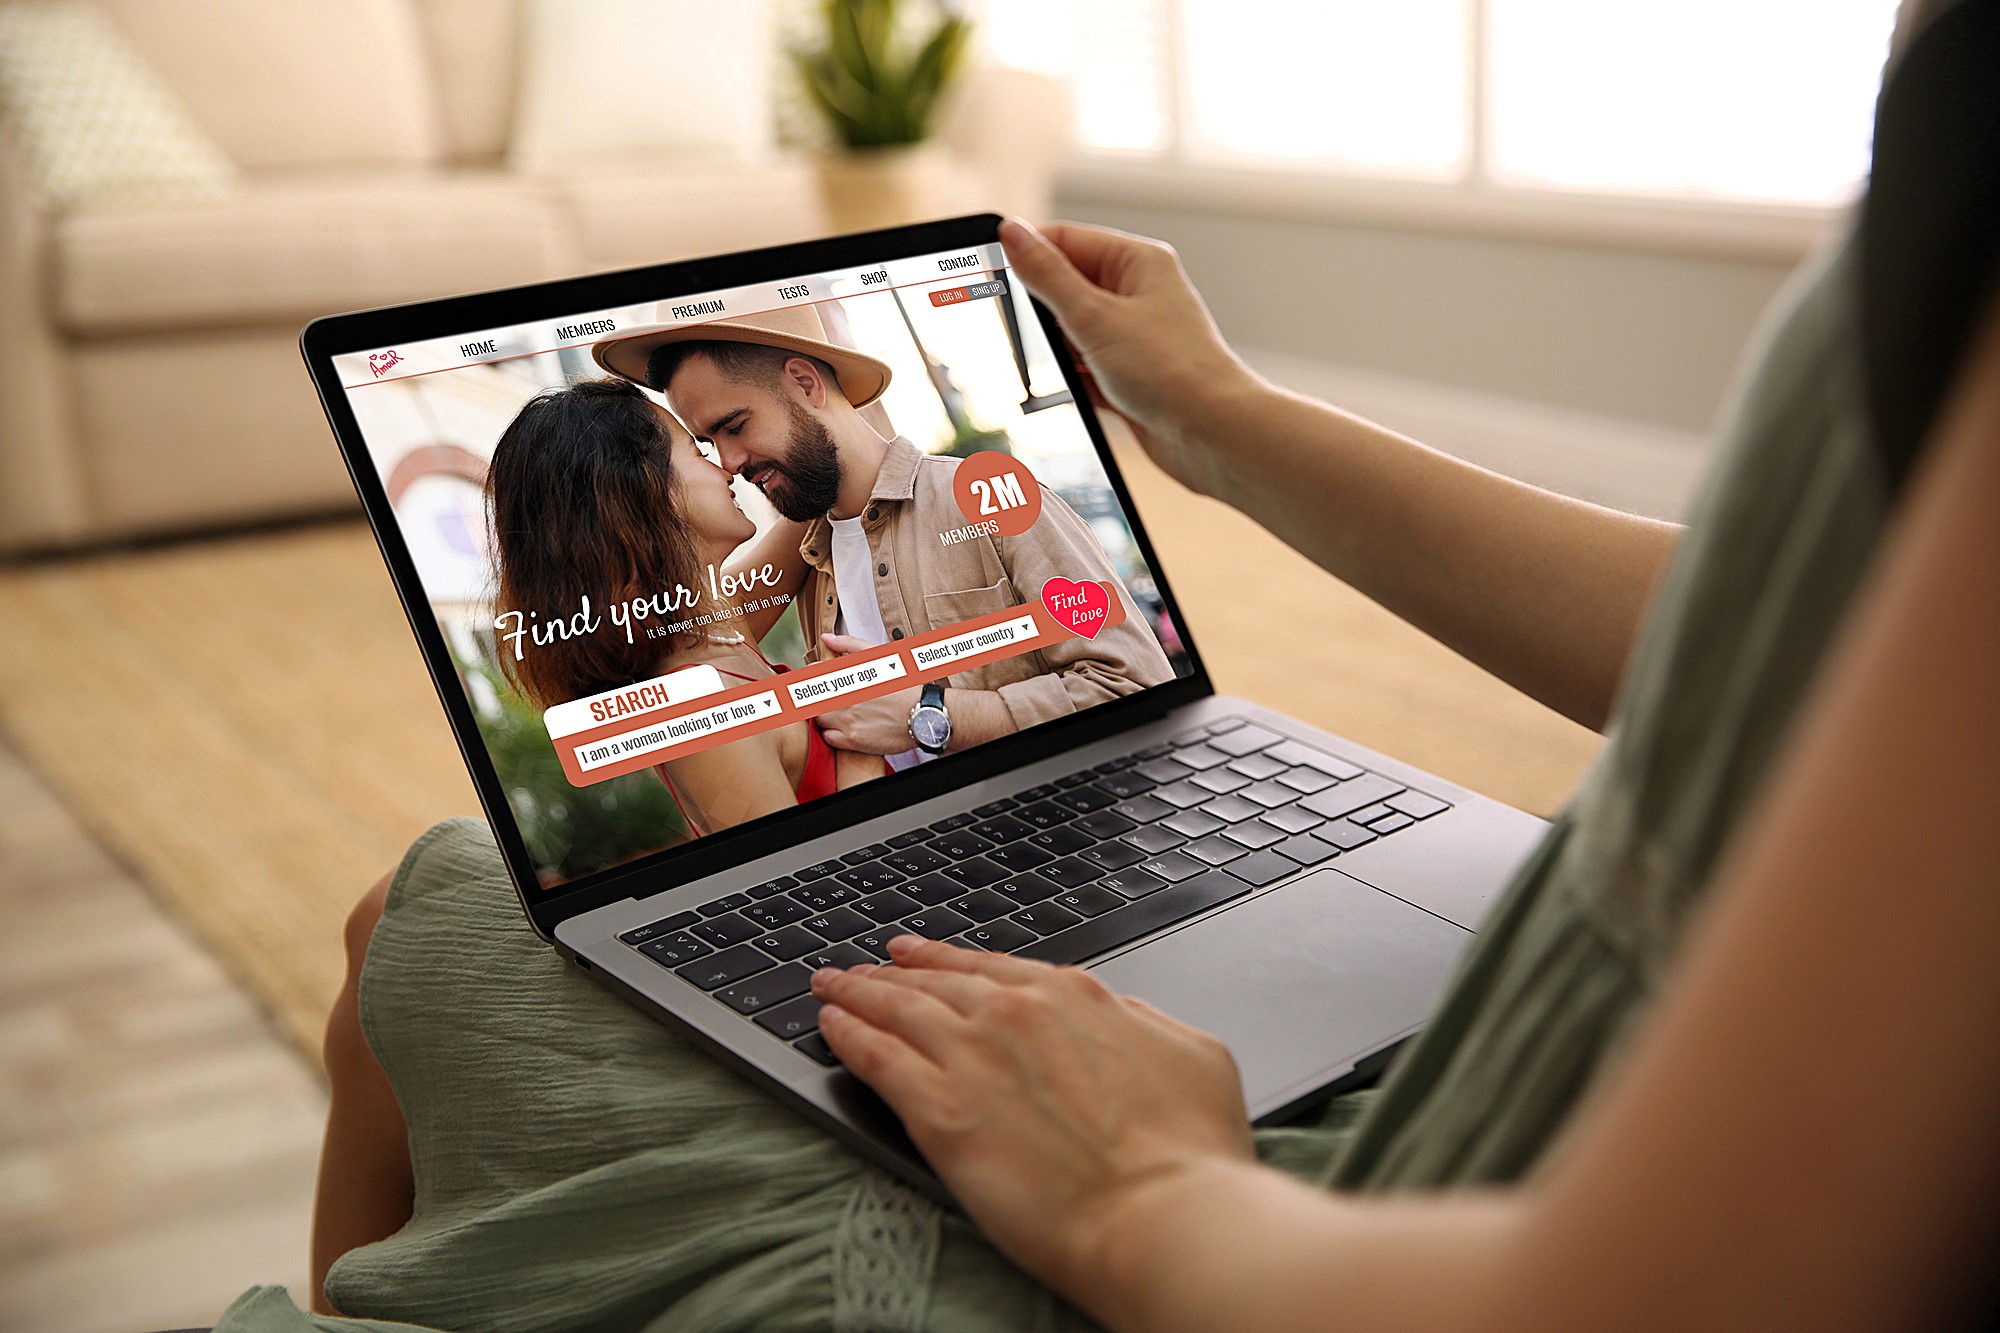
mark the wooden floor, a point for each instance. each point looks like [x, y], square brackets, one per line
[157, 1139]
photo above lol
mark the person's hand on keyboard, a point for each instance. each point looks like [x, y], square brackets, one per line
[1050, 1105]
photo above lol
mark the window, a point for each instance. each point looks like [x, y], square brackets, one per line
[1735, 102]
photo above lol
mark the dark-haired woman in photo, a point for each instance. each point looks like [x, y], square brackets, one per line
[598, 492]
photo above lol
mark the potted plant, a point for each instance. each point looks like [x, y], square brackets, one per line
[877, 75]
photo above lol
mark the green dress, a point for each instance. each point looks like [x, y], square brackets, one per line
[579, 1166]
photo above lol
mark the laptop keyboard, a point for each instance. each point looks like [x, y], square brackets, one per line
[1062, 871]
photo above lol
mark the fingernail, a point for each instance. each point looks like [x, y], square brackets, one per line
[1024, 233]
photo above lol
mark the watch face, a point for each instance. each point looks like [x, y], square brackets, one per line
[931, 727]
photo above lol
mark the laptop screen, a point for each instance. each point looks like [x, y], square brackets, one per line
[703, 560]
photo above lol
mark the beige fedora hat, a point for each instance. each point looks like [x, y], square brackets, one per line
[793, 328]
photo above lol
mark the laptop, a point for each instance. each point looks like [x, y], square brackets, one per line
[1302, 897]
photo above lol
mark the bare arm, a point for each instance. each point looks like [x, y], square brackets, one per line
[1544, 591]
[1801, 1138]
[735, 781]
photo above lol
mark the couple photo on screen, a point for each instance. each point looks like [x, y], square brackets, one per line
[597, 491]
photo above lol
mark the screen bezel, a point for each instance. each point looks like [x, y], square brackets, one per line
[699, 858]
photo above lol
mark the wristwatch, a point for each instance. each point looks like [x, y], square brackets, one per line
[930, 724]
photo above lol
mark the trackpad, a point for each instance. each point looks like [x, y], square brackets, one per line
[1301, 982]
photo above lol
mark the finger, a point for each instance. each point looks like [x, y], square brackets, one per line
[963, 991]
[1111, 259]
[882, 1060]
[914, 951]
[1074, 298]
[923, 1020]
[842, 644]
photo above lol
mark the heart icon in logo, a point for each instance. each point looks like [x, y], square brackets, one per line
[1082, 608]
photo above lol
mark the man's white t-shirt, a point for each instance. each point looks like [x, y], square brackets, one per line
[860, 613]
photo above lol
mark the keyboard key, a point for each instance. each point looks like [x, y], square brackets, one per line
[1231, 809]
[1135, 919]
[930, 890]
[1163, 770]
[732, 964]
[1083, 800]
[1023, 890]
[1191, 735]
[1090, 900]
[844, 954]
[914, 861]
[675, 949]
[1241, 740]
[814, 1048]
[1417, 805]
[1070, 871]
[1270, 795]
[1220, 781]
[822, 870]
[721, 905]
[1061, 841]
[1045, 814]
[1041, 793]
[1180, 795]
[1226, 724]
[1344, 835]
[1389, 823]
[664, 926]
[876, 941]
[1142, 809]
[1290, 818]
[1133, 883]
[1069, 780]
[1045, 919]
[775, 912]
[1103, 824]
[774, 886]
[1254, 834]
[953, 823]
[999, 936]
[788, 942]
[1112, 855]
[1118, 765]
[977, 873]
[1292, 753]
[1200, 757]
[1215, 849]
[1257, 767]
[992, 808]
[727, 930]
[1153, 839]
[1306, 849]
[1172, 867]
[1371, 814]
[1192, 823]
[936, 923]
[910, 839]
[797, 1018]
[1153, 752]
[960, 844]
[1002, 829]
[767, 989]
[1021, 856]
[838, 924]
[1348, 797]
[888, 905]
[1124, 785]
[1261, 868]
[1306, 780]
[868, 878]
[982, 905]
[823, 895]
[868, 853]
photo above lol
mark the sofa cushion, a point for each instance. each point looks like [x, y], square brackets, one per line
[626, 218]
[283, 251]
[293, 83]
[474, 48]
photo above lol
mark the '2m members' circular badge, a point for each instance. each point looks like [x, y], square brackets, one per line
[996, 488]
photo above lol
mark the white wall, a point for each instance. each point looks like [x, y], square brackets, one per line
[1616, 332]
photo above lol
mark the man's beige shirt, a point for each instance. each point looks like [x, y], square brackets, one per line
[922, 585]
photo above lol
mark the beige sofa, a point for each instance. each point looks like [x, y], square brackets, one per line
[150, 380]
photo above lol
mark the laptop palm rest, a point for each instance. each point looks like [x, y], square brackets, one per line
[1311, 976]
